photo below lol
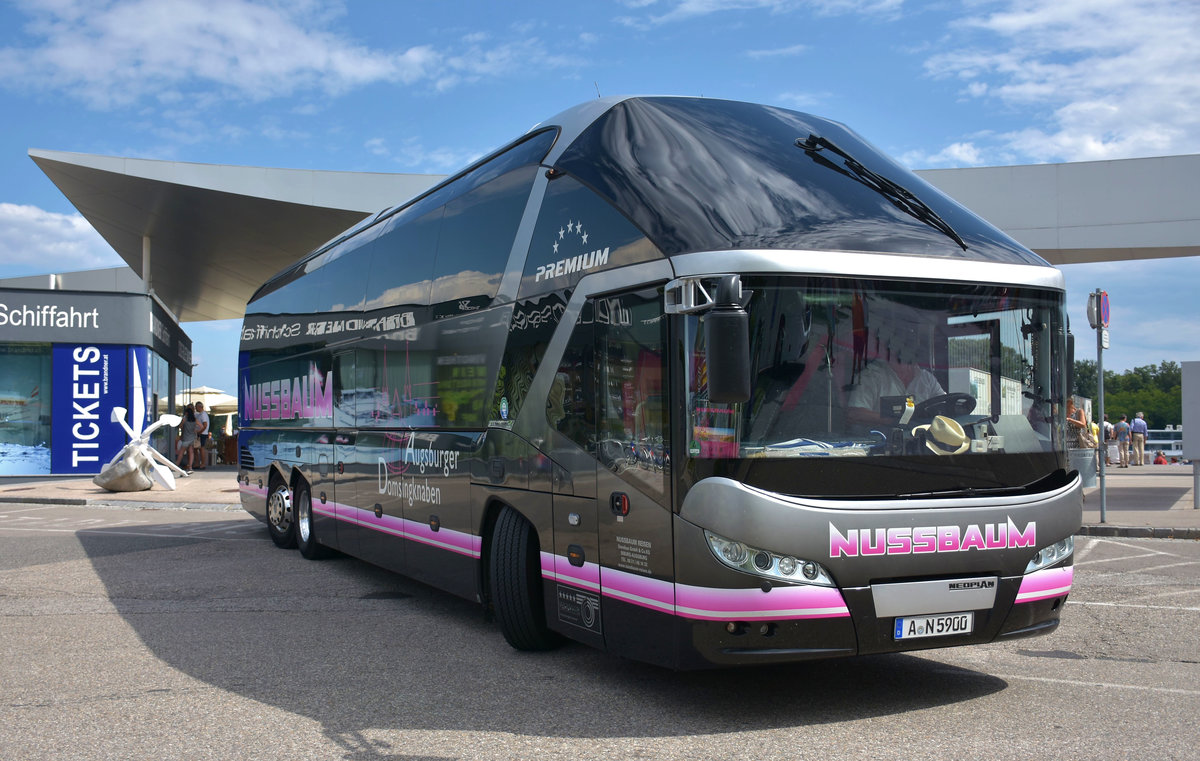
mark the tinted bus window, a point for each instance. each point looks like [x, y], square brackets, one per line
[340, 283]
[571, 408]
[578, 233]
[530, 151]
[401, 269]
[533, 324]
[476, 238]
[631, 380]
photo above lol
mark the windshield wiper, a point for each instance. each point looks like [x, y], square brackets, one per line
[966, 491]
[900, 196]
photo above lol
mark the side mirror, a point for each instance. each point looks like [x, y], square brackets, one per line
[727, 336]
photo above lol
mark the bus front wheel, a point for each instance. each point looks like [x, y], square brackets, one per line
[281, 522]
[516, 584]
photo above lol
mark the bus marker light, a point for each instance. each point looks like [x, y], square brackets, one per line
[575, 555]
[435, 523]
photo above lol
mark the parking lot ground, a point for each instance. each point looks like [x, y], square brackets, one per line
[183, 633]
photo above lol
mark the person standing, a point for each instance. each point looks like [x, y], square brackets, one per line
[201, 434]
[1110, 437]
[187, 438]
[1139, 429]
[1123, 436]
[1077, 436]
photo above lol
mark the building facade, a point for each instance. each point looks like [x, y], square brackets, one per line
[71, 347]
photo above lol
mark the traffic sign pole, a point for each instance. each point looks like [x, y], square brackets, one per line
[1101, 327]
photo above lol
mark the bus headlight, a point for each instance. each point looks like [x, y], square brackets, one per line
[1048, 556]
[767, 564]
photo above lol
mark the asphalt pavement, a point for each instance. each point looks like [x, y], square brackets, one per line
[1147, 501]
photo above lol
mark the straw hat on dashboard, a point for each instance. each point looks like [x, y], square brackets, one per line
[944, 436]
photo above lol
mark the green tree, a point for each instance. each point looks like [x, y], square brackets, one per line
[1086, 378]
[1155, 390]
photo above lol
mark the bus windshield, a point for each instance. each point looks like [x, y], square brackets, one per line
[887, 389]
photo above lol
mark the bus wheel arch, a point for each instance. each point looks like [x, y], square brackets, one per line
[513, 580]
[302, 518]
[281, 524]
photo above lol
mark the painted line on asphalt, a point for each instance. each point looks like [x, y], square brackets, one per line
[1181, 608]
[1088, 544]
[1108, 685]
[7, 513]
[1168, 593]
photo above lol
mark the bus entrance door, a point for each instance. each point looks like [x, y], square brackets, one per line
[636, 568]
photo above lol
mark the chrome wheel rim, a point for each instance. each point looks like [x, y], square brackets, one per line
[304, 517]
[279, 509]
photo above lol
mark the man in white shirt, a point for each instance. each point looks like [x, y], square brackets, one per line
[202, 433]
[882, 378]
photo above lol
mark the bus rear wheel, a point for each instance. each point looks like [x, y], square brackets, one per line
[306, 537]
[515, 577]
[281, 524]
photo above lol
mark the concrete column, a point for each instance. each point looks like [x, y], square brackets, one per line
[146, 262]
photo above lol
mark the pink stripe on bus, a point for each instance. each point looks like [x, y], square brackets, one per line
[780, 603]
[703, 603]
[1042, 585]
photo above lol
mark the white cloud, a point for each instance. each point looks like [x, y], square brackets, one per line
[412, 156]
[377, 146]
[1110, 78]
[791, 50]
[953, 155]
[800, 100]
[121, 52]
[33, 240]
[683, 10]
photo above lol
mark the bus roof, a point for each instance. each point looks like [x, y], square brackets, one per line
[701, 174]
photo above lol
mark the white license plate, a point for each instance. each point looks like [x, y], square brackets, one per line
[939, 625]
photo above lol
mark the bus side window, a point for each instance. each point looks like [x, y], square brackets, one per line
[476, 237]
[571, 406]
[631, 379]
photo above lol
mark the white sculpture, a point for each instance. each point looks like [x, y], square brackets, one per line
[134, 468]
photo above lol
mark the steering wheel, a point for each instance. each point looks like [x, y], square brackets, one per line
[950, 405]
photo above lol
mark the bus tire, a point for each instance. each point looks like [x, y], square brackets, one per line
[306, 536]
[281, 523]
[515, 576]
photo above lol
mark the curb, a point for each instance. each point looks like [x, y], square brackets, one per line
[1139, 532]
[223, 507]
[43, 500]
[121, 504]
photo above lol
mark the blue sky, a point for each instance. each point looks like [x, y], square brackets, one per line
[426, 87]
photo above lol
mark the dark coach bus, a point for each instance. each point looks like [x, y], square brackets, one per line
[697, 382]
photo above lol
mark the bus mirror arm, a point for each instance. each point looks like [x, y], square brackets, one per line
[727, 335]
